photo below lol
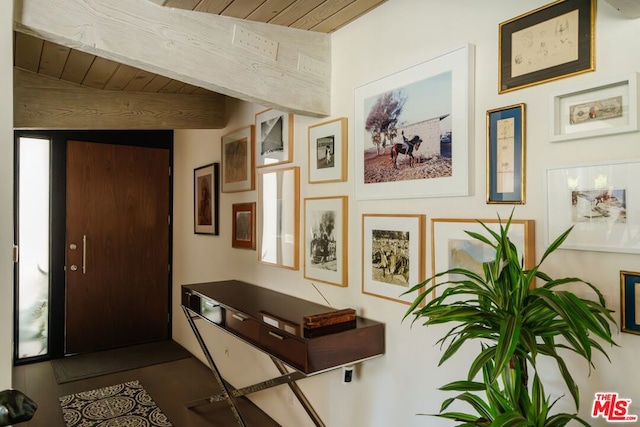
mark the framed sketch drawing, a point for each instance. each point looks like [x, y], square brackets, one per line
[279, 217]
[412, 130]
[243, 234]
[452, 247]
[238, 164]
[630, 302]
[325, 239]
[506, 155]
[392, 255]
[549, 43]
[606, 109]
[206, 199]
[600, 201]
[274, 138]
[328, 151]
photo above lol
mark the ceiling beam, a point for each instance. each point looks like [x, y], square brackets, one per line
[41, 102]
[274, 66]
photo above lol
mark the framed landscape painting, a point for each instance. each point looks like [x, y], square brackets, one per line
[392, 255]
[412, 130]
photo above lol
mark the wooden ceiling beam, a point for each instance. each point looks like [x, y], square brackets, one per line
[41, 102]
[279, 67]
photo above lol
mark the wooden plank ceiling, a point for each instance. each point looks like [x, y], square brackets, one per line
[35, 55]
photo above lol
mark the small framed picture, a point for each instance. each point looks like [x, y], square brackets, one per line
[392, 255]
[611, 107]
[328, 151]
[548, 43]
[244, 226]
[325, 238]
[206, 199]
[630, 302]
[274, 144]
[238, 160]
[506, 155]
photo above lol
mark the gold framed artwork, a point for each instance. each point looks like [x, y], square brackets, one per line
[506, 155]
[279, 217]
[325, 239]
[206, 199]
[552, 42]
[244, 226]
[328, 151]
[452, 247]
[393, 255]
[274, 143]
[630, 302]
[238, 160]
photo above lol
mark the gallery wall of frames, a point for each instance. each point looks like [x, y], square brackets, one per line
[412, 131]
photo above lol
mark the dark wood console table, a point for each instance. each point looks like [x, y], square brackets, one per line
[273, 323]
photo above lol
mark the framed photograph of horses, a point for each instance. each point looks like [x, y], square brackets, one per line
[452, 247]
[328, 151]
[630, 302]
[274, 144]
[506, 154]
[243, 230]
[549, 43]
[413, 130]
[278, 226]
[325, 239]
[238, 160]
[392, 255]
[206, 199]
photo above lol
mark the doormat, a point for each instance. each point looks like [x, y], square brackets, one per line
[89, 365]
[121, 405]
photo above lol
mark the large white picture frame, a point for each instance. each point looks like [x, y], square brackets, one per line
[600, 200]
[438, 109]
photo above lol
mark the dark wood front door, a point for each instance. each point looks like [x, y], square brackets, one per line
[117, 246]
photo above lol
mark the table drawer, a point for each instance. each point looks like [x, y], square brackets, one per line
[284, 347]
[242, 325]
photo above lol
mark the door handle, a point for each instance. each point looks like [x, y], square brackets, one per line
[84, 253]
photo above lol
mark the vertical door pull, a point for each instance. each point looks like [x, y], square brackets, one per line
[84, 253]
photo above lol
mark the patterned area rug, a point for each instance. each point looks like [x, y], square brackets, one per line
[122, 405]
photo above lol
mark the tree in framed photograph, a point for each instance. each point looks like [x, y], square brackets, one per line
[238, 160]
[506, 154]
[548, 43]
[412, 130]
[244, 226]
[274, 143]
[630, 302]
[325, 239]
[279, 217]
[392, 255]
[452, 247]
[328, 151]
[206, 199]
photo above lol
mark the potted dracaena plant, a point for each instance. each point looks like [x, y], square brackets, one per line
[514, 324]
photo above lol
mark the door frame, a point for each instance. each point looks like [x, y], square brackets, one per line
[142, 138]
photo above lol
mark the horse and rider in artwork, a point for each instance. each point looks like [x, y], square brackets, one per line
[407, 147]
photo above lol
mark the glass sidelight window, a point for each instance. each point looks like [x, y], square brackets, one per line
[33, 230]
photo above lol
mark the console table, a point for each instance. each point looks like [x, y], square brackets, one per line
[273, 323]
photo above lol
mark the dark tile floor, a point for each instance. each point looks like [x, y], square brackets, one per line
[169, 384]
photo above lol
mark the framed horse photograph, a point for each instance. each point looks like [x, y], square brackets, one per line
[404, 129]
[392, 255]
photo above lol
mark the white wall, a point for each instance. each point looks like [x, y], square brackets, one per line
[6, 190]
[392, 389]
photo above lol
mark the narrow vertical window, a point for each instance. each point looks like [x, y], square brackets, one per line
[33, 242]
